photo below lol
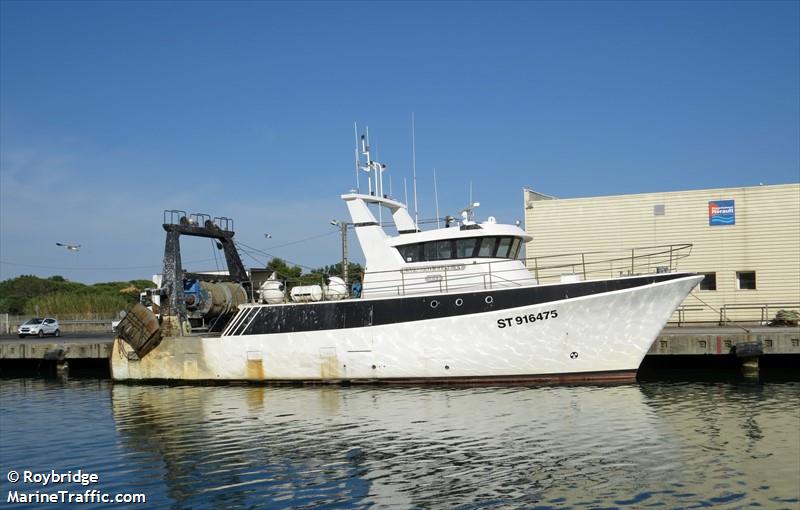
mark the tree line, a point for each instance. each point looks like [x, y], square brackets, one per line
[294, 275]
[31, 295]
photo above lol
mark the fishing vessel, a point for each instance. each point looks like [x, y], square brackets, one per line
[453, 304]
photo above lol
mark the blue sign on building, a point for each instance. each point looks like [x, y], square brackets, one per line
[721, 212]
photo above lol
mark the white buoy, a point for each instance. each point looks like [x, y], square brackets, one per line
[272, 291]
[336, 289]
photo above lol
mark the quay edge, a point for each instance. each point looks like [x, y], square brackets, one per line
[714, 340]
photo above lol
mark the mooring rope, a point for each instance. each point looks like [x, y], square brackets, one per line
[720, 314]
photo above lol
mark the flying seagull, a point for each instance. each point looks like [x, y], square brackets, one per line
[70, 247]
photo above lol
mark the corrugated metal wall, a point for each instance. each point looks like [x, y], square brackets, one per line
[765, 238]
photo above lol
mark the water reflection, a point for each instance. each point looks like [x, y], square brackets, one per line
[740, 442]
[424, 447]
[673, 445]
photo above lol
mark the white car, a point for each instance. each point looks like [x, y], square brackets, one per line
[39, 326]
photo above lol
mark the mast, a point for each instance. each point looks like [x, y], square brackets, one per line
[436, 198]
[366, 168]
[377, 170]
[414, 168]
[355, 151]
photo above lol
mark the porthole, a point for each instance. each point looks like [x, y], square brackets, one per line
[459, 302]
[434, 304]
[489, 300]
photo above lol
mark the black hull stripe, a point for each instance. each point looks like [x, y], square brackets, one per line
[362, 313]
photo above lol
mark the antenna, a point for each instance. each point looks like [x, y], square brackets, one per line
[468, 213]
[377, 168]
[379, 183]
[355, 137]
[405, 191]
[414, 167]
[470, 191]
[365, 152]
[436, 196]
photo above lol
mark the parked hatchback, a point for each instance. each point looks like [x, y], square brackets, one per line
[39, 326]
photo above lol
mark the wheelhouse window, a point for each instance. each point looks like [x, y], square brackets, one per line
[487, 248]
[444, 250]
[746, 280]
[429, 251]
[472, 247]
[503, 247]
[709, 281]
[410, 252]
[437, 250]
[465, 248]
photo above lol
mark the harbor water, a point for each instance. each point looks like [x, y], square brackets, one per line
[732, 444]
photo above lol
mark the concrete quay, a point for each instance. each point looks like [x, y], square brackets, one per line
[67, 347]
[718, 340]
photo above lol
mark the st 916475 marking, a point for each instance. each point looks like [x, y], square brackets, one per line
[519, 320]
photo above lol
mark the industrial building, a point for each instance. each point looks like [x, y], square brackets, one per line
[745, 240]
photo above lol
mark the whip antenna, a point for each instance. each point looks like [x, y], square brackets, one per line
[414, 167]
[436, 197]
[355, 137]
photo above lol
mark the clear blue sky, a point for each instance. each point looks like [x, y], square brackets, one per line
[111, 112]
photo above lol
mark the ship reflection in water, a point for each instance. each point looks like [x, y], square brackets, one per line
[557, 446]
[673, 445]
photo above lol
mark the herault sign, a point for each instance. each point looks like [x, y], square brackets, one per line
[721, 212]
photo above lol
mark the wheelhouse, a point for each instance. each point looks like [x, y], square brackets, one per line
[502, 247]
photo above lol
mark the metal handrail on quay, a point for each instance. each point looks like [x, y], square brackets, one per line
[765, 313]
[763, 308]
[681, 312]
[91, 322]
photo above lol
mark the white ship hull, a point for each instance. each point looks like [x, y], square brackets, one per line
[598, 336]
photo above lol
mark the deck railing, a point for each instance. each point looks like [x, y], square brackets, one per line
[455, 275]
[610, 264]
[446, 279]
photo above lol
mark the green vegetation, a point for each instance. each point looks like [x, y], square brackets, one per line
[294, 274]
[31, 295]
